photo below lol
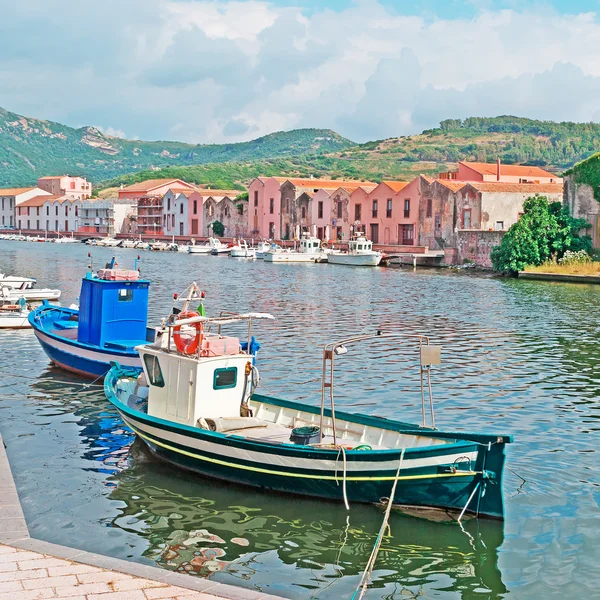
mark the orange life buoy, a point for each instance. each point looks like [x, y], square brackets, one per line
[187, 345]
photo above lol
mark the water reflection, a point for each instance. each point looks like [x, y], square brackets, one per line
[204, 528]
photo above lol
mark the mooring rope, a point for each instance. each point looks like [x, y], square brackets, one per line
[366, 576]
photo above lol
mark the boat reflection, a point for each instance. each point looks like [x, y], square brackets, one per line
[208, 527]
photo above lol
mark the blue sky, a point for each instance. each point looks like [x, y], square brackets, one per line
[226, 70]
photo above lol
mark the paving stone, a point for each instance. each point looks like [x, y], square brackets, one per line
[40, 563]
[102, 577]
[72, 569]
[136, 584]
[27, 595]
[83, 589]
[23, 575]
[131, 595]
[14, 556]
[10, 586]
[50, 582]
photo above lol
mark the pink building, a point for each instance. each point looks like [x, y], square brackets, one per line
[197, 215]
[76, 188]
[390, 216]
[264, 207]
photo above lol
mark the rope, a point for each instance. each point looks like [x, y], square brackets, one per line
[344, 479]
[366, 576]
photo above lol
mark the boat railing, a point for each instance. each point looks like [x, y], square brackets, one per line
[428, 355]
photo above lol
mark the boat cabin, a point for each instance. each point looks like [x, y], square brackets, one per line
[113, 310]
[360, 244]
[310, 244]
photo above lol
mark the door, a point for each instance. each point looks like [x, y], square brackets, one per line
[408, 235]
[194, 226]
[386, 235]
[375, 233]
[180, 228]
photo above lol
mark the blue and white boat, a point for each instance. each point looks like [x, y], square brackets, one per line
[110, 322]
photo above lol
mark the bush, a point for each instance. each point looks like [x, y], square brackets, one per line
[580, 257]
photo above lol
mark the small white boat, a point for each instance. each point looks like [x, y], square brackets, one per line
[142, 245]
[205, 248]
[14, 281]
[30, 294]
[311, 250]
[263, 247]
[159, 247]
[360, 254]
[128, 244]
[63, 240]
[14, 316]
[242, 250]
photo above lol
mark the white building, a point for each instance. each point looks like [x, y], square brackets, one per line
[107, 216]
[175, 212]
[76, 188]
[10, 198]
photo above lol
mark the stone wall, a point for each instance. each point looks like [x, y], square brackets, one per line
[579, 197]
[476, 246]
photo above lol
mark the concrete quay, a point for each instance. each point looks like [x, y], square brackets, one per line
[32, 569]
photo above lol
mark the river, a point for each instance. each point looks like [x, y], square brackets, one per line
[519, 357]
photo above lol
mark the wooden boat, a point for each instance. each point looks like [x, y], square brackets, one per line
[110, 322]
[196, 406]
[360, 254]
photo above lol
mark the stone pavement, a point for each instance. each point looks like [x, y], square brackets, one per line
[26, 575]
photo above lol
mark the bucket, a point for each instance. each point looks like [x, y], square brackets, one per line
[305, 435]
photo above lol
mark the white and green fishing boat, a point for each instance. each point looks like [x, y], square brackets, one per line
[195, 405]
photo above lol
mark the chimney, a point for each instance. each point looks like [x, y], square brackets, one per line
[498, 170]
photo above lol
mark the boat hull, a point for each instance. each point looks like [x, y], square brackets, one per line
[18, 321]
[355, 260]
[73, 356]
[431, 476]
[294, 257]
[241, 253]
[199, 250]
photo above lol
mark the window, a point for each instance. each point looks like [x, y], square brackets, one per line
[126, 295]
[467, 218]
[172, 220]
[287, 231]
[438, 225]
[155, 376]
[28, 225]
[255, 198]
[340, 209]
[195, 207]
[56, 225]
[499, 225]
[407, 208]
[357, 210]
[56, 210]
[320, 210]
[66, 211]
[374, 209]
[28, 211]
[37, 224]
[77, 211]
[428, 211]
[271, 206]
[304, 212]
[240, 208]
[180, 228]
[271, 230]
[210, 210]
[388, 210]
[181, 208]
[225, 379]
[169, 204]
[38, 211]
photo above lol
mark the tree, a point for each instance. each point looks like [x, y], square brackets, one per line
[544, 230]
[218, 228]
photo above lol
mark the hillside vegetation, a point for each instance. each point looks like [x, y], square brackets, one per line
[31, 148]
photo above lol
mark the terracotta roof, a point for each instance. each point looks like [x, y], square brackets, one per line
[451, 184]
[15, 191]
[396, 185]
[208, 192]
[53, 177]
[152, 184]
[352, 188]
[524, 188]
[511, 170]
[41, 200]
[331, 184]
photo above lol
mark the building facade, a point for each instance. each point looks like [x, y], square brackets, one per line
[75, 188]
[10, 198]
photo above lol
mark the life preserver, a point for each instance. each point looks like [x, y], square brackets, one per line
[187, 345]
[324, 245]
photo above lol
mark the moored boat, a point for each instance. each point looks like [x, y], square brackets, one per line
[360, 254]
[242, 250]
[27, 293]
[310, 249]
[14, 316]
[110, 322]
[15, 281]
[205, 248]
[263, 247]
[196, 407]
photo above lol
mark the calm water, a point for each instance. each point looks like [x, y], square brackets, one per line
[519, 357]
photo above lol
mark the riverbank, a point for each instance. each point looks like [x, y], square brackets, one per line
[32, 569]
[563, 277]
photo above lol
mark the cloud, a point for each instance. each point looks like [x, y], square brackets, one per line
[212, 71]
[111, 131]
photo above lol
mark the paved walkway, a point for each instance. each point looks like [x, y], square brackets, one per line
[26, 575]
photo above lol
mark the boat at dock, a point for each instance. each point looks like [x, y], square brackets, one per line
[110, 322]
[196, 406]
[14, 315]
[360, 254]
[205, 248]
[15, 281]
[263, 247]
[30, 294]
[242, 250]
[310, 249]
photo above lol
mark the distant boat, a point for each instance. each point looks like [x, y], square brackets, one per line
[360, 254]
[263, 247]
[311, 249]
[195, 406]
[205, 248]
[242, 250]
[110, 322]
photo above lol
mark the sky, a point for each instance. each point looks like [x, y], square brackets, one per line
[226, 71]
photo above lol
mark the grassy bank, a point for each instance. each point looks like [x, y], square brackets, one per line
[590, 268]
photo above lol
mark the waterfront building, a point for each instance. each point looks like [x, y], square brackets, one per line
[106, 216]
[148, 197]
[390, 216]
[10, 198]
[232, 213]
[75, 188]
[197, 223]
[491, 172]
[264, 207]
[48, 213]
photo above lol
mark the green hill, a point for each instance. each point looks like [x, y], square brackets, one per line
[31, 148]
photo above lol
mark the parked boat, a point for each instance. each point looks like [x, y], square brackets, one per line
[263, 247]
[196, 407]
[65, 240]
[207, 247]
[14, 315]
[16, 282]
[128, 244]
[360, 254]
[311, 249]
[219, 247]
[30, 294]
[242, 250]
[110, 322]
